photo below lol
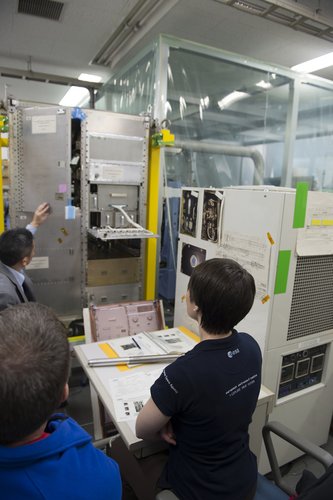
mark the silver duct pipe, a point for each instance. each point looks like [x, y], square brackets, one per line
[226, 149]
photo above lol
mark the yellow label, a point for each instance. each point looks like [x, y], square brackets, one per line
[167, 136]
[78, 338]
[270, 239]
[265, 299]
[107, 349]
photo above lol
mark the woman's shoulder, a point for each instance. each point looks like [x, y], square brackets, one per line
[248, 339]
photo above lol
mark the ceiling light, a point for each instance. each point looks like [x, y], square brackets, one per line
[74, 96]
[315, 64]
[229, 99]
[86, 77]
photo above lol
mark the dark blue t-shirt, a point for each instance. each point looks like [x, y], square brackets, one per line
[211, 394]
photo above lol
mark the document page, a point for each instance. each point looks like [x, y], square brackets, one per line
[136, 345]
[253, 253]
[131, 392]
[172, 341]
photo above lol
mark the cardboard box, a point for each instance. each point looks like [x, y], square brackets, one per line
[113, 271]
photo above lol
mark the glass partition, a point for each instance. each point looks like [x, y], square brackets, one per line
[226, 116]
[313, 149]
[131, 90]
[236, 122]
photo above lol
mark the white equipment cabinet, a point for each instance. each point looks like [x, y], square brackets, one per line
[284, 237]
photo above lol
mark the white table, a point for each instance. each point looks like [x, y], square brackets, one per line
[100, 377]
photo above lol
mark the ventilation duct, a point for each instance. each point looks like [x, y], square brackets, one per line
[47, 9]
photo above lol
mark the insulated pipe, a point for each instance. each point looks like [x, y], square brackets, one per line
[227, 149]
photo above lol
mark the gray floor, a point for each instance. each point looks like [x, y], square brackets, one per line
[79, 408]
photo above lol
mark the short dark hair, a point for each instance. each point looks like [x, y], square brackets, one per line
[15, 244]
[34, 361]
[224, 293]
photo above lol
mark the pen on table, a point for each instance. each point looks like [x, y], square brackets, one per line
[135, 342]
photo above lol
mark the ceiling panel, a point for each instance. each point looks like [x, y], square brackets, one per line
[66, 47]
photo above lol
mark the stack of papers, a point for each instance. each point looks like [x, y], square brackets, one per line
[131, 392]
[131, 389]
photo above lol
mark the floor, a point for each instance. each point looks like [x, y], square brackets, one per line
[79, 408]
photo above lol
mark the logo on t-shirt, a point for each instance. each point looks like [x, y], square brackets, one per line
[168, 381]
[233, 353]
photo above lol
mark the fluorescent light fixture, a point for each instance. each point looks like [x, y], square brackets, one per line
[264, 85]
[86, 77]
[229, 99]
[315, 64]
[312, 19]
[74, 96]
[144, 16]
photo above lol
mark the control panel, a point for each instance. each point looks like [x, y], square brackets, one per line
[126, 318]
[301, 369]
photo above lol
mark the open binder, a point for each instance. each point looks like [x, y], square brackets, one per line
[161, 346]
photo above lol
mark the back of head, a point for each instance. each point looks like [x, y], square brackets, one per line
[15, 244]
[224, 293]
[34, 360]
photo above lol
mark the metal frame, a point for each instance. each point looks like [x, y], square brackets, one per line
[290, 134]
[296, 440]
[59, 237]
[89, 127]
[288, 14]
[86, 132]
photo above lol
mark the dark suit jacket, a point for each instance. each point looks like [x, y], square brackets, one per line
[11, 292]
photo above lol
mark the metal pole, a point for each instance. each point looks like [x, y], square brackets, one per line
[133, 360]
[290, 136]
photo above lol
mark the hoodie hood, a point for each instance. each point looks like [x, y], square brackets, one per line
[64, 434]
